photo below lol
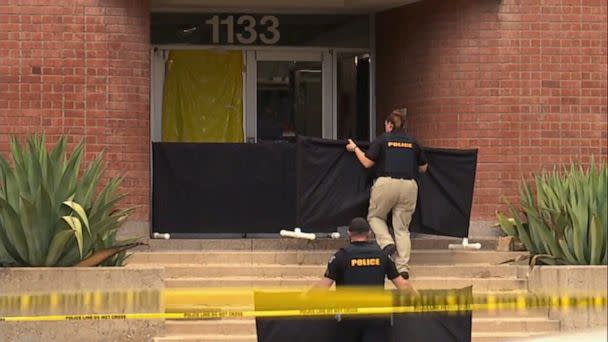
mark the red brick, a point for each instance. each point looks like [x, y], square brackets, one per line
[519, 125]
[70, 97]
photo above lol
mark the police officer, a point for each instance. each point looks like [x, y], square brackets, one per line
[362, 263]
[398, 159]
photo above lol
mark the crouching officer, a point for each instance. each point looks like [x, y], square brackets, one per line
[363, 264]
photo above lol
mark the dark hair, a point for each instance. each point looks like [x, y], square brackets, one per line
[359, 225]
[396, 118]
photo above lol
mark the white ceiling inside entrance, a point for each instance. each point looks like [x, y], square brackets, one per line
[278, 6]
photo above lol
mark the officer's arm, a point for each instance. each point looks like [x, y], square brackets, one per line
[423, 164]
[331, 273]
[324, 283]
[397, 279]
[366, 162]
[403, 284]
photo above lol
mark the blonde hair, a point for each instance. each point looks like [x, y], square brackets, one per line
[396, 118]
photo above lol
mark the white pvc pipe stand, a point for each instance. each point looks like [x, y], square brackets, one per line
[465, 245]
[297, 234]
[165, 236]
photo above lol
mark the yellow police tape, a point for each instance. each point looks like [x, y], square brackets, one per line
[218, 314]
[59, 302]
[190, 303]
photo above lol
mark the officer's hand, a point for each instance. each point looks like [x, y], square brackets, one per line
[304, 295]
[351, 146]
[411, 290]
[405, 285]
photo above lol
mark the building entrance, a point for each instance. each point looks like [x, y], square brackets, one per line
[299, 75]
[253, 82]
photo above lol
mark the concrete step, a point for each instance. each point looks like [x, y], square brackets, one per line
[518, 324]
[418, 242]
[487, 284]
[240, 282]
[419, 257]
[223, 327]
[465, 270]
[512, 313]
[247, 326]
[500, 336]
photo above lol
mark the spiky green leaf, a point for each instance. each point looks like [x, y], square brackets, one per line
[76, 226]
[57, 246]
[11, 224]
[81, 213]
[507, 225]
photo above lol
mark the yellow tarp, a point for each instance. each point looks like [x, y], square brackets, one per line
[203, 96]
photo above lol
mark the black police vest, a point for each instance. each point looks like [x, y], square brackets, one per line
[400, 156]
[365, 265]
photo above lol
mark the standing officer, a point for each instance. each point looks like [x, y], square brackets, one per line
[399, 159]
[362, 263]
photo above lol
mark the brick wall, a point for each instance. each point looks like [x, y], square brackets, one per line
[80, 68]
[525, 81]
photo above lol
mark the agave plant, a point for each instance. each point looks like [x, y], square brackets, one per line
[566, 222]
[52, 215]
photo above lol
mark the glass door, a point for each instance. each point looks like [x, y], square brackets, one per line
[353, 95]
[287, 95]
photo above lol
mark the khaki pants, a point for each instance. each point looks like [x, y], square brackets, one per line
[399, 196]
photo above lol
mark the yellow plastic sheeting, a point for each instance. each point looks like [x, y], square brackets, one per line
[203, 96]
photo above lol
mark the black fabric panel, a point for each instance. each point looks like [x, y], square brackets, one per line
[296, 329]
[429, 327]
[223, 188]
[436, 326]
[333, 188]
[417, 327]
[445, 194]
[251, 188]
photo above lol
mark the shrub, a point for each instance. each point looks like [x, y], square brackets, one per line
[566, 221]
[52, 215]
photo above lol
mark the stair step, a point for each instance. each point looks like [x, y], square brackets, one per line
[487, 284]
[223, 327]
[268, 264]
[239, 282]
[247, 245]
[218, 270]
[247, 326]
[418, 242]
[479, 284]
[418, 257]
[500, 336]
[512, 313]
[519, 324]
